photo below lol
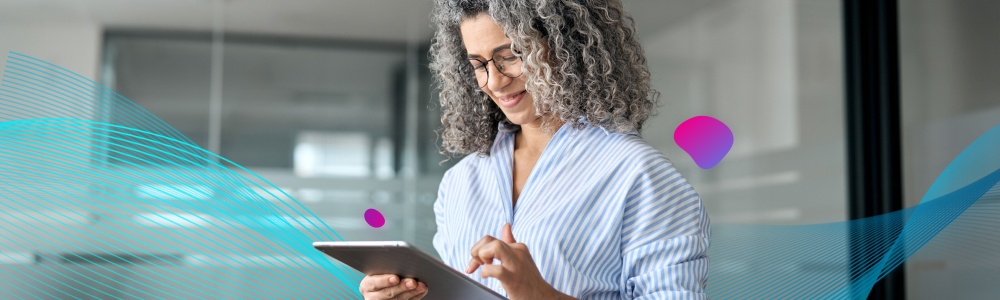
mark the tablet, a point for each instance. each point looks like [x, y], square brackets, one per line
[372, 258]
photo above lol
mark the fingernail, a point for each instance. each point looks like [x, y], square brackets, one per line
[393, 280]
[410, 284]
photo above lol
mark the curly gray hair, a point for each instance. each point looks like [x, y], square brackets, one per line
[582, 62]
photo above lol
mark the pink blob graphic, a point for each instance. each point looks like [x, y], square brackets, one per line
[705, 138]
[374, 218]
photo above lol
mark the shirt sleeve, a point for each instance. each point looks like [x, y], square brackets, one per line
[441, 239]
[665, 236]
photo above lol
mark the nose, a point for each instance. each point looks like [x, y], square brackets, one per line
[496, 80]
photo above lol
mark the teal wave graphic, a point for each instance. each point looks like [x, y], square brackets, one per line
[101, 199]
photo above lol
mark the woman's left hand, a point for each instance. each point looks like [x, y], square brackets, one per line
[517, 271]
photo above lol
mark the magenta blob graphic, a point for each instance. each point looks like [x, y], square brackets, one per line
[705, 138]
[374, 218]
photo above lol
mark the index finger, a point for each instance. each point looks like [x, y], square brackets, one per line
[373, 283]
[484, 255]
[476, 262]
[483, 241]
[494, 250]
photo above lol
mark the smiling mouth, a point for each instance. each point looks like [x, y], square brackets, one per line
[512, 97]
[512, 100]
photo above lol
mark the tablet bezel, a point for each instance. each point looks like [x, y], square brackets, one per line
[378, 257]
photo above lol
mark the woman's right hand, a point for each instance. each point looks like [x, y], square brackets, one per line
[389, 286]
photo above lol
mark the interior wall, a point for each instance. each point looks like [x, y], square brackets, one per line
[73, 45]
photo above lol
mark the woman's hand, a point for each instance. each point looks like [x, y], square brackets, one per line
[388, 286]
[517, 271]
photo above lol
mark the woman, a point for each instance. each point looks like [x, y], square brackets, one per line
[559, 197]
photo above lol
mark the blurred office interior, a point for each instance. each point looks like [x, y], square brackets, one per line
[332, 101]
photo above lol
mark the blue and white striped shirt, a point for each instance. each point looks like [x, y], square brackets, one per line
[604, 215]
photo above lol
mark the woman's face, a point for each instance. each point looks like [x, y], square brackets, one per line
[485, 40]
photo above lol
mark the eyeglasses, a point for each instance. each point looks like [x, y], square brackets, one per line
[504, 60]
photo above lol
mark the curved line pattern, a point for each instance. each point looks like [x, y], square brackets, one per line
[101, 199]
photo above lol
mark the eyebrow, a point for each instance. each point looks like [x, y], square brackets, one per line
[495, 50]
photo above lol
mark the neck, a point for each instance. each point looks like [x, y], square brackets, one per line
[533, 137]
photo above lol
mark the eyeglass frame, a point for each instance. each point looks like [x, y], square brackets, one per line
[486, 64]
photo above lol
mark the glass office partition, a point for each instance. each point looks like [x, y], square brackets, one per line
[341, 125]
[323, 120]
[949, 97]
[773, 72]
